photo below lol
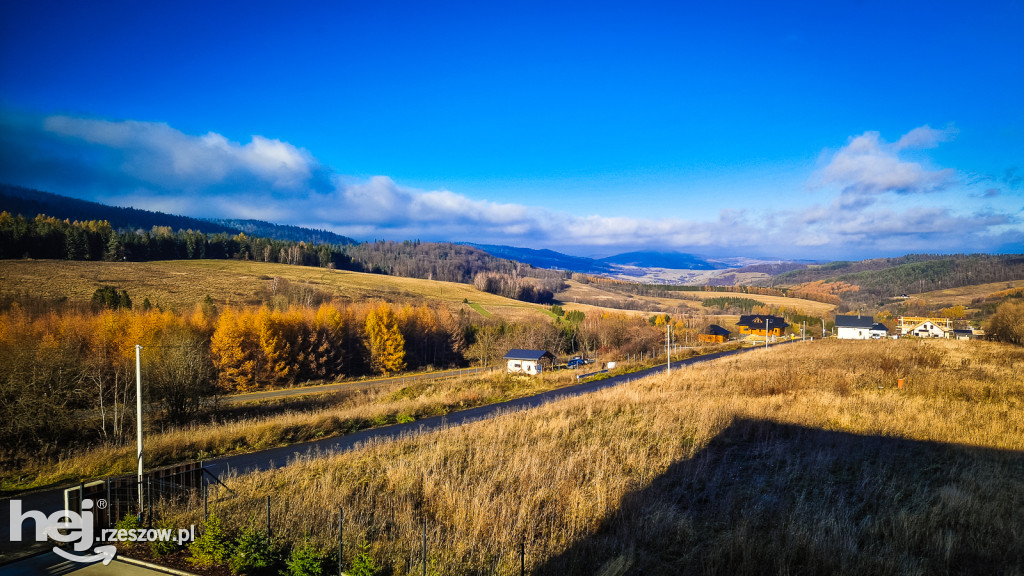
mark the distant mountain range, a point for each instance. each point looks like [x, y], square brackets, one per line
[609, 265]
[30, 203]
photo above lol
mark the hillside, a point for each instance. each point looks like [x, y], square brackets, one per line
[30, 203]
[807, 459]
[182, 284]
[882, 278]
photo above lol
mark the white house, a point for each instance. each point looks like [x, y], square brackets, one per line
[929, 329]
[853, 327]
[879, 331]
[527, 361]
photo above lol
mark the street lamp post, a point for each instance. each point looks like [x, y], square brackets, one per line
[138, 414]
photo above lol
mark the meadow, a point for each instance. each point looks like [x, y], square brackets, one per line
[804, 459]
[249, 427]
[181, 284]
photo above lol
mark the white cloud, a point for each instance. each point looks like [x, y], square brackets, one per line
[924, 137]
[160, 155]
[864, 208]
[867, 166]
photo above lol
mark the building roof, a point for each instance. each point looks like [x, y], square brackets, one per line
[715, 330]
[757, 321]
[879, 327]
[535, 355]
[854, 321]
[933, 323]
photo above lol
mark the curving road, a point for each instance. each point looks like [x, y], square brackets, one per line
[51, 500]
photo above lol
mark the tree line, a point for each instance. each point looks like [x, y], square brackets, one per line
[45, 237]
[84, 359]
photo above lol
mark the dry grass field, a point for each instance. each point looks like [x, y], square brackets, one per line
[803, 459]
[278, 423]
[595, 295]
[181, 284]
[965, 294]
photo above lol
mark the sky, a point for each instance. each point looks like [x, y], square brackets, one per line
[818, 130]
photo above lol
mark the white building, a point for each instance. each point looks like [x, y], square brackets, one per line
[854, 327]
[527, 361]
[929, 329]
[925, 327]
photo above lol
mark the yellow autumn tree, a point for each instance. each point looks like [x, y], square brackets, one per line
[384, 341]
[235, 349]
[279, 336]
[323, 350]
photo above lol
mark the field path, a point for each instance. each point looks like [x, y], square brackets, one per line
[51, 500]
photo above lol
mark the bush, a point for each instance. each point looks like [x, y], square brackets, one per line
[129, 522]
[163, 547]
[212, 546]
[363, 564]
[255, 552]
[306, 560]
[1007, 324]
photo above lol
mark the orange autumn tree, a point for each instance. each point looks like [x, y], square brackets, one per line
[235, 347]
[384, 341]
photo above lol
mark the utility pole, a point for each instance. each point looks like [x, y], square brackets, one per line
[668, 347]
[767, 327]
[138, 414]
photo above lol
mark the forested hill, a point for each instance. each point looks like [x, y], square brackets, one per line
[30, 203]
[888, 277]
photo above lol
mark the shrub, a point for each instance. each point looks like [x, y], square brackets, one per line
[163, 547]
[212, 546]
[254, 553]
[363, 564]
[1007, 324]
[306, 560]
[129, 522]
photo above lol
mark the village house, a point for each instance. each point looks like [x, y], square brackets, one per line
[527, 361]
[859, 328]
[762, 325]
[925, 327]
[713, 334]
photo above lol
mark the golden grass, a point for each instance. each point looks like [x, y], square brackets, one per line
[966, 294]
[181, 284]
[803, 459]
[370, 406]
[592, 293]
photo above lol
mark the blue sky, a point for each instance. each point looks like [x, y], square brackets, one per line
[812, 130]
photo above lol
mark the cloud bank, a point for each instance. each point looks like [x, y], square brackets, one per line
[155, 166]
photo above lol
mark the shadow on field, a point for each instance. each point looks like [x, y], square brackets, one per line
[769, 498]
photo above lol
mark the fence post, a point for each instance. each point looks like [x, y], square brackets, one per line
[341, 544]
[110, 505]
[424, 546]
[206, 502]
[522, 558]
[268, 514]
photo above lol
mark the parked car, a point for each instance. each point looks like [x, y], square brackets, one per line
[578, 362]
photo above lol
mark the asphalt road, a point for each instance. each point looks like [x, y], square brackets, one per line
[52, 500]
[338, 387]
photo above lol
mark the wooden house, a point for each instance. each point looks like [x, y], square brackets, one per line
[713, 334]
[762, 325]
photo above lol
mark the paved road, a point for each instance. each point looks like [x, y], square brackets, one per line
[50, 501]
[326, 388]
[50, 564]
[278, 457]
